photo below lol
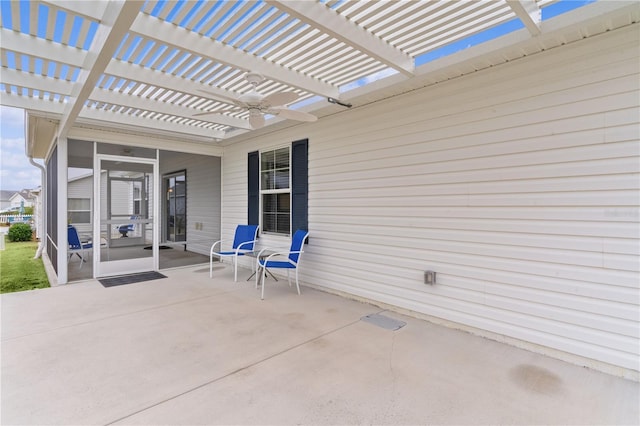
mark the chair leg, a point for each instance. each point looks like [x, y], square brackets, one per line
[210, 266]
[257, 273]
[264, 281]
[235, 268]
[297, 285]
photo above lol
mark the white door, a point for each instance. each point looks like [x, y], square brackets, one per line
[126, 215]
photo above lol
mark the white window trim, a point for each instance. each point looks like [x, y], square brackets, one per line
[69, 211]
[274, 191]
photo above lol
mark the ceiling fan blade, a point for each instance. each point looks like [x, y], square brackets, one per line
[292, 114]
[280, 98]
[256, 121]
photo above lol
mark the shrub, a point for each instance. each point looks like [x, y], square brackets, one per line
[20, 232]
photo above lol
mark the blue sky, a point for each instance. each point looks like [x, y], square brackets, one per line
[15, 170]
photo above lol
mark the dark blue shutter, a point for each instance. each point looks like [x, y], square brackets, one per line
[299, 185]
[253, 178]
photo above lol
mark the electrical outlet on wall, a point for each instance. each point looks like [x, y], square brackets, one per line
[430, 277]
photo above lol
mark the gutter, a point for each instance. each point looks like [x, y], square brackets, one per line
[43, 210]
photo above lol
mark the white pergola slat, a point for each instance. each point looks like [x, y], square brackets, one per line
[115, 62]
[336, 26]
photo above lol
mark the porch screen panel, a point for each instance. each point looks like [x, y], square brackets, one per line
[299, 185]
[52, 208]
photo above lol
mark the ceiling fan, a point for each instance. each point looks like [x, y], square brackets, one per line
[258, 105]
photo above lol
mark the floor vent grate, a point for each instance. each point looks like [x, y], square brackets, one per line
[384, 322]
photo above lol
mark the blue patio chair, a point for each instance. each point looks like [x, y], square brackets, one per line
[243, 242]
[76, 246]
[293, 258]
[125, 229]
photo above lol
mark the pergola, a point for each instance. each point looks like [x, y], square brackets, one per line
[149, 67]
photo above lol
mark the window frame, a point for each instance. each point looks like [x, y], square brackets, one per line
[299, 186]
[262, 192]
[70, 211]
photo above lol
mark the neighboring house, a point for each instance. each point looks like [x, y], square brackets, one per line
[21, 198]
[26, 198]
[5, 200]
[509, 168]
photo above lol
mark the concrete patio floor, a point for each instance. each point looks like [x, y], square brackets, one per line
[193, 350]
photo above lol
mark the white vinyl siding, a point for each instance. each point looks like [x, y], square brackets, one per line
[203, 196]
[519, 185]
[80, 188]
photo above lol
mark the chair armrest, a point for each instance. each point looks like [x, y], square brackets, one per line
[280, 253]
[217, 242]
[239, 248]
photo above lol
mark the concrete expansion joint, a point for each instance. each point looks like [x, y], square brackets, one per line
[108, 317]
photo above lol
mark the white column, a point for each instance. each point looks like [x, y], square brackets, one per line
[61, 183]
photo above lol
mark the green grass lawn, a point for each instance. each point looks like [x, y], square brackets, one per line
[19, 270]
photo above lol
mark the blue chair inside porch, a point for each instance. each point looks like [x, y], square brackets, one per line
[76, 246]
[243, 242]
[293, 259]
[125, 229]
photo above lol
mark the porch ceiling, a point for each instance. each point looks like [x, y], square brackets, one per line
[143, 67]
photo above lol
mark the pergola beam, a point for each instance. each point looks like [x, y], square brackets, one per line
[144, 104]
[36, 82]
[326, 20]
[33, 104]
[529, 13]
[63, 88]
[89, 9]
[185, 40]
[41, 48]
[150, 125]
[118, 18]
[148, 76]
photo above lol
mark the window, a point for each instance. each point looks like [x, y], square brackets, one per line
[175, 219]
[140, 195]
[278, 188]
[275, 191]
[79, 210]
[136, 198]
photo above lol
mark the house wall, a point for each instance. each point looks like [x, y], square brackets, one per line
[82, 188]
[518, 185]
[5, 200]
[203, 196]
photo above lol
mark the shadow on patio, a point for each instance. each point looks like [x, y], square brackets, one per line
[193, 350]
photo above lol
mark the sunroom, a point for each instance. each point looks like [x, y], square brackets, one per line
[493, 143]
